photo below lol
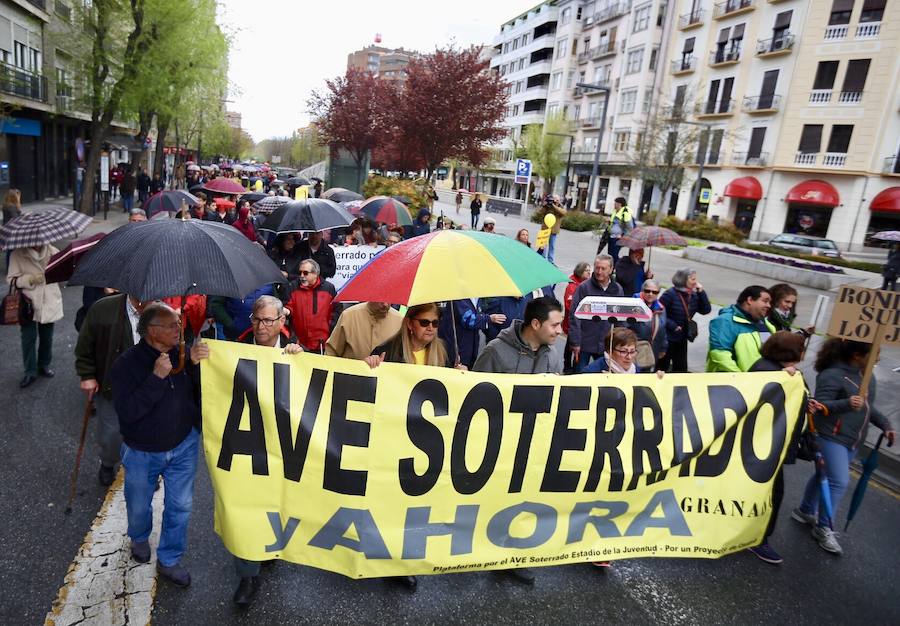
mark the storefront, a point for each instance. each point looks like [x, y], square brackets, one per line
[810, 206]
[745, 193]
[885, 208]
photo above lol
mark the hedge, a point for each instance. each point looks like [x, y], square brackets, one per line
[577, 221]
[857, 265]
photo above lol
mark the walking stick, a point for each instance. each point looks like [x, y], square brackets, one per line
[88, 409]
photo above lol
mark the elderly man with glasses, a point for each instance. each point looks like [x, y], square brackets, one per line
[159, 418]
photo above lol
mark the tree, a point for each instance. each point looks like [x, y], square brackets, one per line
[451, 105]
[350, 114]
[544, 148]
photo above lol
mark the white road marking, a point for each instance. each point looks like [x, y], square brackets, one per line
[104, 585]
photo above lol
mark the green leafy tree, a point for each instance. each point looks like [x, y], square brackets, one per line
[544, 148]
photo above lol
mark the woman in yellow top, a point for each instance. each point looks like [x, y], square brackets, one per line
[416, 342]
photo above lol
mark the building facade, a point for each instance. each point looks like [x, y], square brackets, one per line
[802, 101]
[385, 63]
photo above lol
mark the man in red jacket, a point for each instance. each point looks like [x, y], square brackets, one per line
[313, 310]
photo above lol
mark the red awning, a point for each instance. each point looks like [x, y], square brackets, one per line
[888, 200]
[815, 192]
[747, 187]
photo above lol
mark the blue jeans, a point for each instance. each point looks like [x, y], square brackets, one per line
[584, 359]
[551, 247]
[837, 468]
[612, 248]
[142, 470]
[127, 201]
[475, 217]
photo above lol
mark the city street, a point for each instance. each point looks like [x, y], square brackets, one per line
[43, 423]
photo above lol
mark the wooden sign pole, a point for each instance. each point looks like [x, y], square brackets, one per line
[871, 360]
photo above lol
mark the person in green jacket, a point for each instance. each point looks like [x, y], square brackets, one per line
[736, 335]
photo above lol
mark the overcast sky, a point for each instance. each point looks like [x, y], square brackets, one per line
[283, 49]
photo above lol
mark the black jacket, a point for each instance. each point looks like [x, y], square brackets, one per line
[105, 335]
[155, 414]
[324, 256]
[675, 302]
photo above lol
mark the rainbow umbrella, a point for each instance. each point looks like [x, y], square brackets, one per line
[450, 265]
[386, 210]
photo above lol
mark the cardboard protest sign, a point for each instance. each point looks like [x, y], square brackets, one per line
[858, 312]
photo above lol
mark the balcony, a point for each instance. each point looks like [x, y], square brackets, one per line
[714, 109]
[583, 57]
[721, 58]
[732, 7]
[775, 46]
[743, 159]
[603, 50]
[891, 165]
[691, 20]
[16, 81]
[64, 102]
[834, 159]
[612, 12]
[684, 65]
[806, 158]
[820, 96]
[589, 123]
[869, 30]
[850, 97]
[838, 32]
[762, 105]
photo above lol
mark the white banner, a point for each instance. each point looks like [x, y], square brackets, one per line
[349, 260]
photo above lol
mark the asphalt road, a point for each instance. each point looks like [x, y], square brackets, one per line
[42, 425]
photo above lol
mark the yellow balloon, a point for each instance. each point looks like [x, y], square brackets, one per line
[549, 220]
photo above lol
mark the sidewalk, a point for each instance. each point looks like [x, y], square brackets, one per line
[115, 217]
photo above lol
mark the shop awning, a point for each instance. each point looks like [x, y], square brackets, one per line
[814, 192]
[746, 187]
[887, 201]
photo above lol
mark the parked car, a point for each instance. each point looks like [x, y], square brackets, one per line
[807, 244]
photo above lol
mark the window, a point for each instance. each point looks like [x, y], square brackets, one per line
[553, 109]
[634, 60]
[562, 47]
[587, 44]
[811, 139]
[593, 111]
[825, 75]
[661, 16]
[565, 16]
[855, 78]
[521, 64]
[702, 146]
[757, 136]
[516, 109]
[687, 53]
[525, 38]
[780, 29]
[602, 74]
[642, 18]
[713, 96]
[20, 55]
[645, 100]
[519, 87]
[654, 55]
[515, 43]
[576, 112]
[556, 80]
[627, 101]
[872, 11]
[638, 141]
[506, 47]
[839, 141]
[620, 143]
[725, 102]
[737, 38]
[715, 145]
[722, 44]
[570, 79]
[840, 12]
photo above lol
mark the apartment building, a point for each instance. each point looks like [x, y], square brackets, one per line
[386, 63]
[801, 98]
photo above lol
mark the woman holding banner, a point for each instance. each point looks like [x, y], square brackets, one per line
[416, 343]
[841, 427]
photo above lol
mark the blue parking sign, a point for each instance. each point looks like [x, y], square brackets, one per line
[523, 171]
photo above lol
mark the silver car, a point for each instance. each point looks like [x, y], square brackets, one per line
[807, 244]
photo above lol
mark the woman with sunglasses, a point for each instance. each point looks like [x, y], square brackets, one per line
[652, 331]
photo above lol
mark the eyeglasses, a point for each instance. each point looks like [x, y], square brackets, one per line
[651, 291]
[172, 326]
[426, 323]
[625, 352]
[306, 272]
[264, 321]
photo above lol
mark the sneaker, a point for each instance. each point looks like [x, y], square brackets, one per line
[827, 539]
[804, 518]
[766, 553]
[178, 574]
[140, 551]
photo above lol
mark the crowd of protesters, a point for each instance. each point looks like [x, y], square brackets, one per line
[149, 411]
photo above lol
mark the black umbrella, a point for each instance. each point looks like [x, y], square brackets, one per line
[195, 189]
[169, 201]
[339, 194]
[307, 216]
[404, 199]
[254, 197]
[297, 181]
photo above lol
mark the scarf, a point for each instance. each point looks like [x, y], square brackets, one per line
[615, 368]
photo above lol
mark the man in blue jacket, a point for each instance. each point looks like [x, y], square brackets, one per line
[159, 417]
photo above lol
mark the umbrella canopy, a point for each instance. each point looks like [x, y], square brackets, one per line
[169, 201]
[307, 216]
[648, 236]
[62, 264]
[339, 194]
[254, 196]
[225, 166]
[176, 255]
[224, 203]
[887, 235]
[224, 185]
[193, 167]
[297, 181]
[270, 203]
[249, 169]
[195, 189]
[450, 265]
[37, 228]
[353, 206]
[404, 199]
[387, 211]
[277, 181]
[869, 467]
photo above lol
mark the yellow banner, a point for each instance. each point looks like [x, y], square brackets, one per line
[419, 470]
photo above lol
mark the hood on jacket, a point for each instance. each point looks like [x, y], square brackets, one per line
[512, 335]
[423, 212]
[733, 310]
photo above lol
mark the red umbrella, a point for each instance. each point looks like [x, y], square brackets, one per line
[62, 264]
[386, 210]
[225, 185]
[223, 203]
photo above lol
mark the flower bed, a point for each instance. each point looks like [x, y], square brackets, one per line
[803, 265]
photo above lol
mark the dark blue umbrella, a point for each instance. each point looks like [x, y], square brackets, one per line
[869, 466]
[824, 492]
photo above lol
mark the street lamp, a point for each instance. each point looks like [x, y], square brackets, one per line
[595, 169]
[695, 188]
[568, 161]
